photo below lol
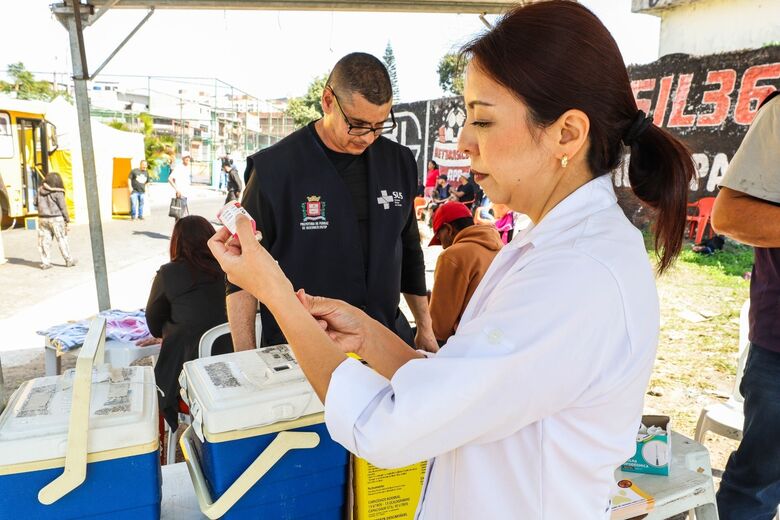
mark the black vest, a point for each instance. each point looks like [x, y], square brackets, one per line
[317, 240]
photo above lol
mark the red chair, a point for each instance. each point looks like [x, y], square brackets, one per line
[700, 221]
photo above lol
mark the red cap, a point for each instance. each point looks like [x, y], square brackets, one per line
[445, 214]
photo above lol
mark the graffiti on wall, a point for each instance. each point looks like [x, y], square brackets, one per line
[708, 102]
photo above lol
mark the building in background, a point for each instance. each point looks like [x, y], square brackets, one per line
[702, 27]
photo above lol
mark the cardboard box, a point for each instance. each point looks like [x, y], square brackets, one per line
[653, 447]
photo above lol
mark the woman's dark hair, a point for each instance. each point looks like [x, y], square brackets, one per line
[188, 245]
[434, 163]
[557, 56]
[54, 180]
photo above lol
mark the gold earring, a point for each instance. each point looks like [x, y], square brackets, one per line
[564, 161]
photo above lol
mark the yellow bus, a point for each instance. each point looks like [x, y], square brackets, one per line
[27, 140]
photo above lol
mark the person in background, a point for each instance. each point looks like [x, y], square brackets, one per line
[430, 178]
[440, 195]
[747, 209]
[53, 220]
[464, 192]
[235, 185]
[334, 202]
[468, 251]
[180, 179]
[137, 182]
[505, 222]
[526, 412]
[187, 299]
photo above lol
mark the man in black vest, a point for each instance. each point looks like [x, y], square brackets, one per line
[748, 209]
[334, 203]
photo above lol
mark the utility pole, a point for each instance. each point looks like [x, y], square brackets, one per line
[73, 20]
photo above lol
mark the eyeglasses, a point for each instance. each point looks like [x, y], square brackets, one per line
[358, 130]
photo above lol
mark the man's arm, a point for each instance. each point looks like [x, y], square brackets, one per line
[241, 305]
[130, 182]
[413, 273]
[424, 339]
[241, 310]
[746, 219]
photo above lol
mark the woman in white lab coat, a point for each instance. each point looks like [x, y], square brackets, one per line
[529, 408]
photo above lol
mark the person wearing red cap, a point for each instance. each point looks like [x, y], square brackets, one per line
[468, 251]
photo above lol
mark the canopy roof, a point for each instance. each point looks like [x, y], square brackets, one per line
[430, 6]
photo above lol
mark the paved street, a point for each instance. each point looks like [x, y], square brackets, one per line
[32, 299]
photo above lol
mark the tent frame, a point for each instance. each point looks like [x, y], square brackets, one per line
[75, 15]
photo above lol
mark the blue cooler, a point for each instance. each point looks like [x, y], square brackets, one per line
[258, 446]
[83, 444]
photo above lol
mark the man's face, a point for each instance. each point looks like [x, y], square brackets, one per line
[356, 110]
[185, 160]
[143, 166]
[446, 235]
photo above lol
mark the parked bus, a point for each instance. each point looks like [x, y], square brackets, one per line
[27, 140]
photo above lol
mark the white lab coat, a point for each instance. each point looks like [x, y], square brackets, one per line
[530, 407]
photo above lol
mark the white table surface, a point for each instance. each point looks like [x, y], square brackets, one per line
[688, 486]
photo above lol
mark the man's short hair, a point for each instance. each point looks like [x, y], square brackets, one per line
[363, 74]
[461, 224]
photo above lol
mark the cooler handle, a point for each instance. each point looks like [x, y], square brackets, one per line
[284, 442]
[78, 429]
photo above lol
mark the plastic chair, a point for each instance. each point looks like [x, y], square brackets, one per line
[204, 350]
[701, 219]
[419, 206]
[211, 335]
[727, 419]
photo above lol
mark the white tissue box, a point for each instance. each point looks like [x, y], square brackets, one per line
[653, 447]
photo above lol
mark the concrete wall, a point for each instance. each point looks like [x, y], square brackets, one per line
[703, 27]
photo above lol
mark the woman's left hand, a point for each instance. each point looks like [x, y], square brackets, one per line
[247, 264]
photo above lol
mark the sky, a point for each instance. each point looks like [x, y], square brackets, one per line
[273, 54]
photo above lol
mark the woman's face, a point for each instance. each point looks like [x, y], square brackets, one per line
[431, 166]
[508, 161]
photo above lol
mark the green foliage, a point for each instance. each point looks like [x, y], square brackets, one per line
[26, 86]
[119, 125]
[158, 149]
[733, 260]
[389, 60]
[306, 109]
[451, 68]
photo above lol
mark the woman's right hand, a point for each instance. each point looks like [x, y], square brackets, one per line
[346, 325]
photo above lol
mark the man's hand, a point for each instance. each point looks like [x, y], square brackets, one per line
[146, 342]
[425, 340]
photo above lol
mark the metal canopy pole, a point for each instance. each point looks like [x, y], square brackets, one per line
[73, 23]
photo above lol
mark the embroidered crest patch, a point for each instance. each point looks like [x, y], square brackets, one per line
[313, 213]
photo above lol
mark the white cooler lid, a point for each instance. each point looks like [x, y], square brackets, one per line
[123, 414]
[247, 389]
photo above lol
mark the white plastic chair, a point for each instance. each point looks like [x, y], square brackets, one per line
[204, 350]
[727, 419]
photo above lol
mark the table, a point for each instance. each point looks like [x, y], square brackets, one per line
[118, 354]
[688, 487]
[178, 495]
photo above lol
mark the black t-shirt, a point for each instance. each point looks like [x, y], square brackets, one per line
[353, 171]
[139, 179]
[468, 192]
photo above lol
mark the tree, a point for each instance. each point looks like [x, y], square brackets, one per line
[26, 86]
[306, 109]
[158, 150]
[389, 59]
[451, 68]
